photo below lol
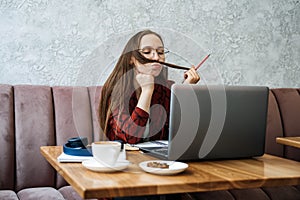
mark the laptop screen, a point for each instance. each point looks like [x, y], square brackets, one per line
[217, 122]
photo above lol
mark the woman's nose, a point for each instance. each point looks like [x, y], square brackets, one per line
[155, 55]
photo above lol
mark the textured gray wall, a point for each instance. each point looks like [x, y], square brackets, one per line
[76, 42]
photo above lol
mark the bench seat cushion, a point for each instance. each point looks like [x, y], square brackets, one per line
[39, 193]
[69, 193]
[283, 192]
[8, 195]
[265, 193]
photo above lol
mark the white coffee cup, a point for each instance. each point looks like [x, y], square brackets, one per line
[106, 152]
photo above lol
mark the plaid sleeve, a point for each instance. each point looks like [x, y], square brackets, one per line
[126, 127]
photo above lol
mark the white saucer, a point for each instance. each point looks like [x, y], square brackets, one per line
[94, 165]
[174, 167]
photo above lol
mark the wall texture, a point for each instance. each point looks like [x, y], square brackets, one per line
[76, 42]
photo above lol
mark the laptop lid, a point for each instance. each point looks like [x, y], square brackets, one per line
[217, 122]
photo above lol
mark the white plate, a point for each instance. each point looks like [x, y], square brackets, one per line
[94, 165]
[174, 167]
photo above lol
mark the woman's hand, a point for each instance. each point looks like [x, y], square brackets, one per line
[191, 76]
[145, 81]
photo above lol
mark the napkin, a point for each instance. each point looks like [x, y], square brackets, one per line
[70, 158]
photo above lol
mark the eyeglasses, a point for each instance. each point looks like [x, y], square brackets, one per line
[149, 51]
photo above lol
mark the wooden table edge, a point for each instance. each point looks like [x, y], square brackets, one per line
[287, 141]
[165, 189]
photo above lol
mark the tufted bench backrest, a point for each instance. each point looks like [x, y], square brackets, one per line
[34, 116]
[283, 121]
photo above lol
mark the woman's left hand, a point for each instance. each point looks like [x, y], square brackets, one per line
[191, 76]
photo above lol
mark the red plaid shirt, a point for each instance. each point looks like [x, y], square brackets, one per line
[129, 124]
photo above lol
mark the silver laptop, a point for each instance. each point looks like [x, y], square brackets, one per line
[215, 122]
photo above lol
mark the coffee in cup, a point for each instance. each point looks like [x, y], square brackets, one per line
[106, 152]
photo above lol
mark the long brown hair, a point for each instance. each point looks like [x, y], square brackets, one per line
[119, 85]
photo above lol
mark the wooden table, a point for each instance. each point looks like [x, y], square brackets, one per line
[200, 176]
[290, 141]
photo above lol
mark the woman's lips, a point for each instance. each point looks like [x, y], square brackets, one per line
[156, 66]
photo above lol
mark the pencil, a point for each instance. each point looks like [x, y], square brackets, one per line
[202, 62]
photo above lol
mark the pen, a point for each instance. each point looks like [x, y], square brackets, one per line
[202, 62]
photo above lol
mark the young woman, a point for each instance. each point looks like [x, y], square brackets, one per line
[134, 104]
